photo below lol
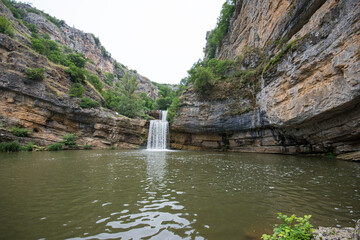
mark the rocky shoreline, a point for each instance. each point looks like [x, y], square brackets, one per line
[334, 233]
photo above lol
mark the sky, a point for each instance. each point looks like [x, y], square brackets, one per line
[161, 39]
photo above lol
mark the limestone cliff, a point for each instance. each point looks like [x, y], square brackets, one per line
[307, 95]
[45, 107]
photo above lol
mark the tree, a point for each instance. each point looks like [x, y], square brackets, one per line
[125, 100]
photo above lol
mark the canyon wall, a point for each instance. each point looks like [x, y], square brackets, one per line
[308, 93]
[45, 107]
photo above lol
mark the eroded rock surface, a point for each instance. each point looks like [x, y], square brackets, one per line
[307, 102]
[45, 107]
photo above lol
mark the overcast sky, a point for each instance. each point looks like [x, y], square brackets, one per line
[161, 39]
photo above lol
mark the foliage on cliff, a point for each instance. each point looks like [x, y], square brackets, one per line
[5, 26]
[116, 90]
[222, 26]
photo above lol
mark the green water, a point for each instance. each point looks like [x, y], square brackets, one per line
[169, 195]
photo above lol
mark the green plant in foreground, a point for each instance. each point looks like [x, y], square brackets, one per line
[55, 147]
[10, 147]
[28, 148]
[20, 132]
[70, 140]
[301, 229]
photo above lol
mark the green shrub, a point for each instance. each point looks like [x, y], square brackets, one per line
[95, 81]
[10, 147]
[28, 148]
[36, 74]
[77, 75]
[88, 103]
[291, 230]
[77, 59]
[148, 103]
[222, 26]
[17, 12]
[5, 27]
[70, 140]
[20, 132]
[204, 79]
[55, 147]
[109, 79]
[38, 45]
[77, 90]
[32, 27]
[87, 147]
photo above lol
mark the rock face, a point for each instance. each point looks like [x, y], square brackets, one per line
[307, 102]
[45, 107]
[86, 44]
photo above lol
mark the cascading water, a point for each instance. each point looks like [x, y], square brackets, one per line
[159, 133]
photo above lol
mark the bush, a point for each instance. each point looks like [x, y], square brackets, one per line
[77, 75]
[95, 81]
[148, 103]
[38, 45]
[5, 27]
[20, 132]
[77, 90]
[55, 147]
[204, 79]
[28, 148]
[109, 78]
[10, 147]
[36, 74]
[88, 103]
[87, 147]
[289, 230]
[17, 12]
[77, 59]
[70, 140]
[32, 27]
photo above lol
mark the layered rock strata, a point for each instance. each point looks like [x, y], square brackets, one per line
[45, 107]
[307, 101]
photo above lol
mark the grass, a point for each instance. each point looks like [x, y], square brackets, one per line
[20, 132]
[10, 147]
[55, 147]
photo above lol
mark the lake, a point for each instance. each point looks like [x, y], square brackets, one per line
[142, 194]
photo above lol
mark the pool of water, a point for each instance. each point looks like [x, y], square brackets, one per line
[169, 195]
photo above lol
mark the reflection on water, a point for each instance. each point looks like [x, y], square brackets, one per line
[169, 195]
[158, 212]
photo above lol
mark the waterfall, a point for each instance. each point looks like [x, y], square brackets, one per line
[158, 133]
